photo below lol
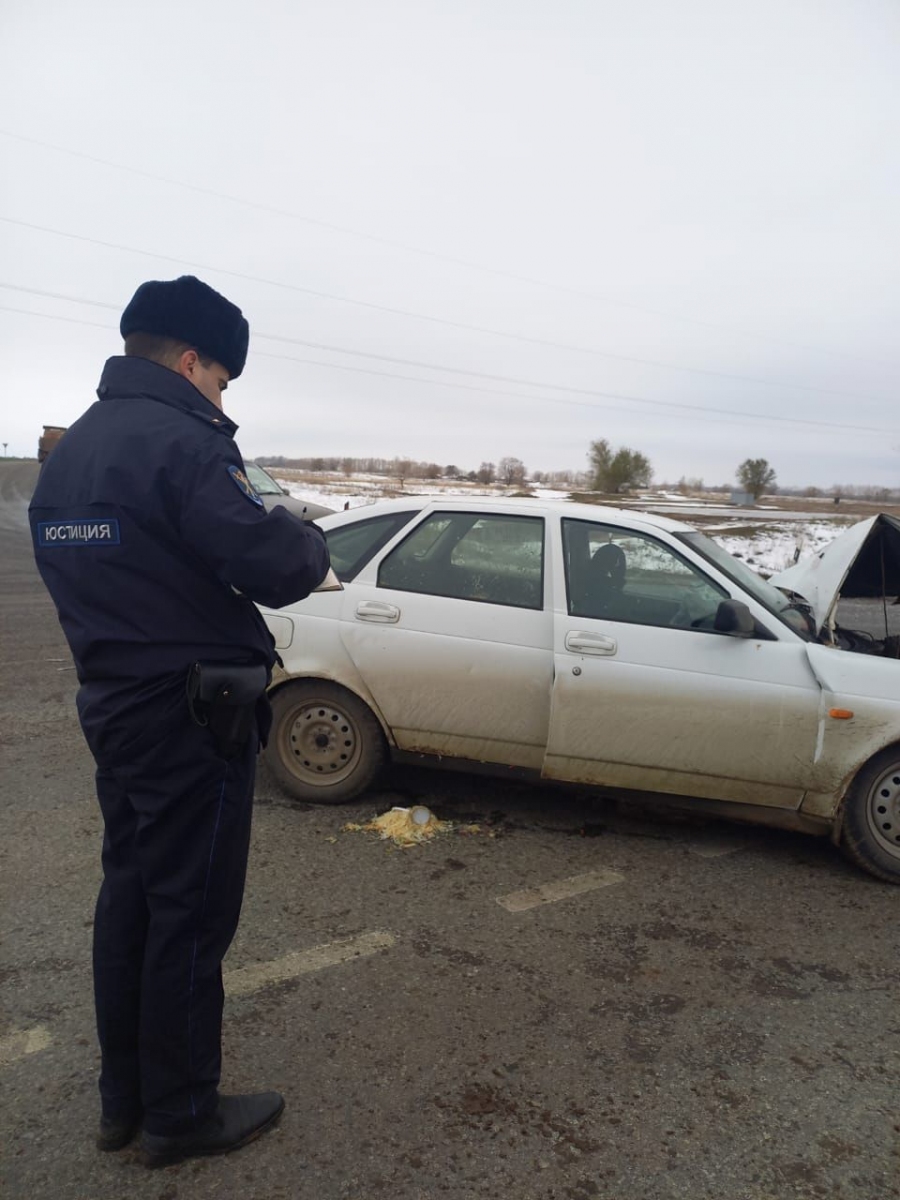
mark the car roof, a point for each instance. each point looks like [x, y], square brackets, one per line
[506, 504]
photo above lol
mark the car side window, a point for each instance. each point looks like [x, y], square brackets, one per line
[351, 546]
[620, 575]
[495, 559]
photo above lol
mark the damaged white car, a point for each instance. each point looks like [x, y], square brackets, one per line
[614, 649]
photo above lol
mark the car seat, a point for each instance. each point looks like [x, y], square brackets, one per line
[604, 580]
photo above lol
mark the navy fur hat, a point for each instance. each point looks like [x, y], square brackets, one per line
[190, 311]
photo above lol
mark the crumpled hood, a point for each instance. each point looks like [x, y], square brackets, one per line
[862, 562]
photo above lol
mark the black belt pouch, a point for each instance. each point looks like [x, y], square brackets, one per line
[223, 697]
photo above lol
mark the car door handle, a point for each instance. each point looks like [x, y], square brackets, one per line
[378, 611]
[590, 643]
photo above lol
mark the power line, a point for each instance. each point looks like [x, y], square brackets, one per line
[436, 320]
[55, 317]
[17, 287]
[729, 415]
[396, 244]
[494, 378]
[632, 400]
[561, 387]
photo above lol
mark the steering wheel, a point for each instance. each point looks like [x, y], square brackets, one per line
[681, 617]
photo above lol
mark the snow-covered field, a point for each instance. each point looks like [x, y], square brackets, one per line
[775, 545]
[764, 542]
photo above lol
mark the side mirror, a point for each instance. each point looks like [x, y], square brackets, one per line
[285, 491]
[734, 618]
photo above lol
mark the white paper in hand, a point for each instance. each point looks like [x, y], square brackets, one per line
[330, 583]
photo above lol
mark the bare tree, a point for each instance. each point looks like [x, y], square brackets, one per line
[756, 476]
[686, 485]
[511, 471]
[402, 468]
[486, 473]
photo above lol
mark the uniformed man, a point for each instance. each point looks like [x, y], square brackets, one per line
[154, 546]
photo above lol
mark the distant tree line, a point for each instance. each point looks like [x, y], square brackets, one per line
[849, 490]
[611, 469]
[509, 471]
[360, 466]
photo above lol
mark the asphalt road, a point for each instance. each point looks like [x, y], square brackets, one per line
[714, 1016]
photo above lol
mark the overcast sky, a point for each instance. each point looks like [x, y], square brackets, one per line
[669, 223]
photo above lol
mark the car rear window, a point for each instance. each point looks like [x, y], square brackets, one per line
[486, 557]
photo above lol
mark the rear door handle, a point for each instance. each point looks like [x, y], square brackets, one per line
[378, 611]
[590, 643]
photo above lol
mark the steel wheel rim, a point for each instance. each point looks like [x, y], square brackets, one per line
[322, 743]
[883, 810]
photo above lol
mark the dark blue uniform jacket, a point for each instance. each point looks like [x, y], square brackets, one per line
[154, 546]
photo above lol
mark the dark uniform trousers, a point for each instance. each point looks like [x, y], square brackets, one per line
[175, 849]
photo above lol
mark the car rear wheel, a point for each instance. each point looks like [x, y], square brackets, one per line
[326, 745]
[871, 829]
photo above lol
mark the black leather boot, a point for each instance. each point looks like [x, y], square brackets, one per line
[236, 1121]
[114, 1133]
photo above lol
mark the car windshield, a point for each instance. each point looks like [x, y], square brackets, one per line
[760, 589]
[262, 480]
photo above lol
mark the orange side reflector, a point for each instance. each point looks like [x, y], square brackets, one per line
[840, 714]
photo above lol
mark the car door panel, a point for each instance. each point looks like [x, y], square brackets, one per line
[671, 708]
[457, 677]
[451, 633]
[684, 712]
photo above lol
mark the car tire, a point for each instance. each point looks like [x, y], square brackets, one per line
[870, 834]
[326, 744]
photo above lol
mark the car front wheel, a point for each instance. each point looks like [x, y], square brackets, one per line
[871, 831]
[326, 745]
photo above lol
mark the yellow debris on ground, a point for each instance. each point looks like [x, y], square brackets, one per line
[403, 826]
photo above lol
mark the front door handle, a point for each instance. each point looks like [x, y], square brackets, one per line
[378, 611]
[590, 643]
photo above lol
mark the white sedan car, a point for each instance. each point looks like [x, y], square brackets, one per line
[615, 649]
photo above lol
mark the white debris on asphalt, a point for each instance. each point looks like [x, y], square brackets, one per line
[403, 826]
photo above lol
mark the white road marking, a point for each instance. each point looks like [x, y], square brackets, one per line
[22, 1043]
[241, 982]
[559, 889]
[250, 979]
[717, 847]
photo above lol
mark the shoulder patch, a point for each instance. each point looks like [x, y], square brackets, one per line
[245, 486]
